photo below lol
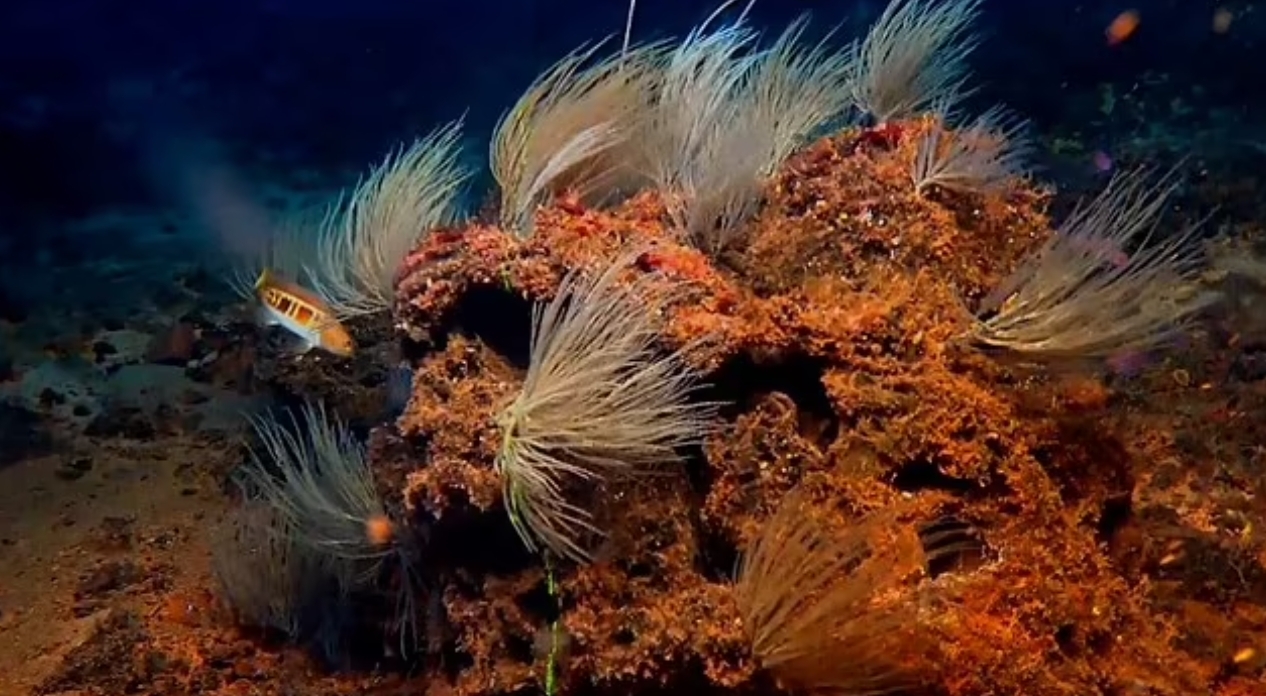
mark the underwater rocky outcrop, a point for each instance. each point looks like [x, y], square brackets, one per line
[764, 374]
[835, 342]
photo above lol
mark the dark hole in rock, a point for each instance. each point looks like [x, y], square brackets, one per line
[743, 380]
[624, 636]
[497, 316]
[520, 649]
[718, 557]
[538, 602]
[1066, 637]
[481, 542]
[922, 475]
[1116, 513]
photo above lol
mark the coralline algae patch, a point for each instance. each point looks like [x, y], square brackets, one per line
[834, 340]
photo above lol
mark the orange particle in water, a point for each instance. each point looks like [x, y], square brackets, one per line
[1122, 27]
[379, 530]
[1222, 20]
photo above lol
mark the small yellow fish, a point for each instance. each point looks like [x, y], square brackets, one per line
[301, 313]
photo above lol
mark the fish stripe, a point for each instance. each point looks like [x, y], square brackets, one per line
[298, 292]
[294, 307]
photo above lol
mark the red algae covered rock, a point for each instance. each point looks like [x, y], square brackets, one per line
[832, 334]
[847, 208]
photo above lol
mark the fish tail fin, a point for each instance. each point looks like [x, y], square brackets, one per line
[265, 276]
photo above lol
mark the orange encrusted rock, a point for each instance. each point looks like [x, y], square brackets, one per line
[833, 334]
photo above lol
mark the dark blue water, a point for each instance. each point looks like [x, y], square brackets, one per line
[125, 125]
[85, 86]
